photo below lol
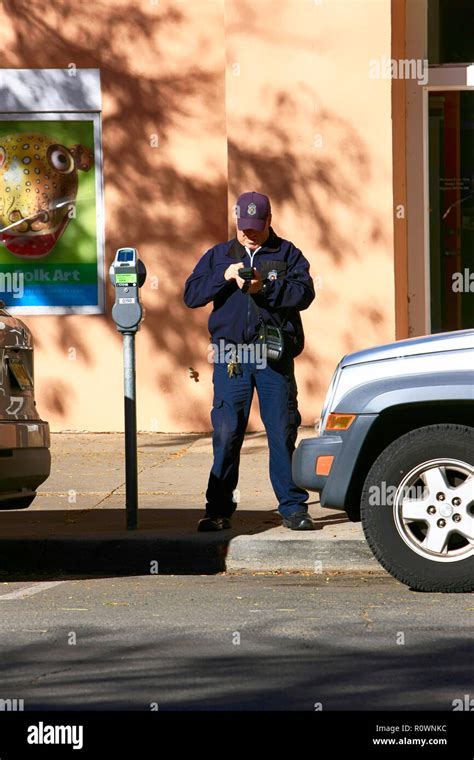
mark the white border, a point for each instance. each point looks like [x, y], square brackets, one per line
[37, 90]
[95, 117]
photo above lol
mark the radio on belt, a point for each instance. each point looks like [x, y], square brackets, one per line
[127, 274]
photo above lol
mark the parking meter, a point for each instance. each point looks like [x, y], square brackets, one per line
[127, 274]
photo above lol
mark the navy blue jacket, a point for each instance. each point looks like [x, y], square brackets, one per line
[234, 317]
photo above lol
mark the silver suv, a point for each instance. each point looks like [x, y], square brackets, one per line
[396, 451]
[24, 438]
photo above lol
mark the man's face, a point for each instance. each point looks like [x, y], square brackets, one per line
[253, 238]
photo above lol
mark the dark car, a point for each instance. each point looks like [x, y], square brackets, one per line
[25, 460]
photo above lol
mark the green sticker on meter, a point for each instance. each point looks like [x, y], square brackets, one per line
[121, 278]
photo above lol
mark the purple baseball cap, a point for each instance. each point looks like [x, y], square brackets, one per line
[251, 211]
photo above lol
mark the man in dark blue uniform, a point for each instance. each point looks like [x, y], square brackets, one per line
[275, 288]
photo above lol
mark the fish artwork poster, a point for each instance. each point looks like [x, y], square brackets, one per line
[50, 255]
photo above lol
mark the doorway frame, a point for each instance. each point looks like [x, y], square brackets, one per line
[410, 141]
[440, 79]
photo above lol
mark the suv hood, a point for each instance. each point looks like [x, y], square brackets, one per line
[426, 344]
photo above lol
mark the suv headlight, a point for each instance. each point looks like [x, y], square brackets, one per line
[329, 397]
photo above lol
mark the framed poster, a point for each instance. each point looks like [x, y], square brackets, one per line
[51, 213]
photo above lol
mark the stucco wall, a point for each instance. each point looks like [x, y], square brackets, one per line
[272, 95]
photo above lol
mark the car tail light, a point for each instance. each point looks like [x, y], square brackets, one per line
[340, 421]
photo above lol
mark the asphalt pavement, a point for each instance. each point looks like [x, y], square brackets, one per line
[234, 642]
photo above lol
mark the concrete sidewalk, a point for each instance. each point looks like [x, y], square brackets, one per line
[76, 526]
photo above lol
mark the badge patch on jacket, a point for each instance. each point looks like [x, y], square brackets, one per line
[271, 270]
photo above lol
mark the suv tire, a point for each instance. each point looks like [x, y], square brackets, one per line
[417, 508]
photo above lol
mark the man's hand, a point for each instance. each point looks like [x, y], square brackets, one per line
[232, 273]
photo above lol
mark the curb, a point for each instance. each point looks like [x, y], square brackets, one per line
[118, 554]
[110, 555]
[248, 553]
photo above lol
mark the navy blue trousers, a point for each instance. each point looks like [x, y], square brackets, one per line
[277, 395]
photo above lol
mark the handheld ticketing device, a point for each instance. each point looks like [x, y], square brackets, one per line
[127, 274]
[247, 274]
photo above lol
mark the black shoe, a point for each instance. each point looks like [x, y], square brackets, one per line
[214, 523]
[298, 521]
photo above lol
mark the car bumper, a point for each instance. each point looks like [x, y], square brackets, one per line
[345, 448]
[306, 456]
[24, 434]
[25, 460]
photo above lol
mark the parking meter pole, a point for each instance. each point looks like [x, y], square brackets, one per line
[131, 464]
[128, 274]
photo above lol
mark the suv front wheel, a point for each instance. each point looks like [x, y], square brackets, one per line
[417, 508]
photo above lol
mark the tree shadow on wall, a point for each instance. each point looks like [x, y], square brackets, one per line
[169, 212]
